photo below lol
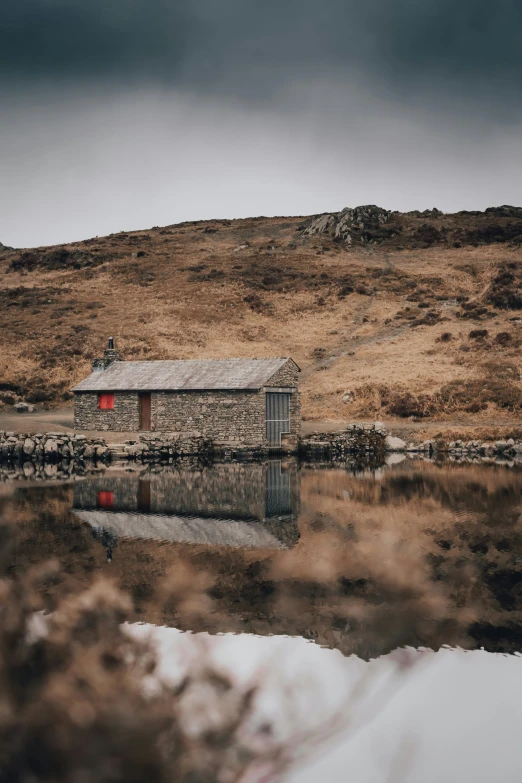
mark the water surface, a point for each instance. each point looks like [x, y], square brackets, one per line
[417, 553]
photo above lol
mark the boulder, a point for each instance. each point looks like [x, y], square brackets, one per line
[23, 407]
[395, 459]
[29, 446]
[51, 447]
[394, 444]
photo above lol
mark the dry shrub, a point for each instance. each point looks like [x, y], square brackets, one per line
[475, 395]
[503, 370]
[82, 700]
[72, 702]
[505, 290]
[427, 234]
[58, 258]
[445, 337]
[369, 399]
[474, 311]
[406, 404]
[503, 339]
[498, 385]
[255, 303]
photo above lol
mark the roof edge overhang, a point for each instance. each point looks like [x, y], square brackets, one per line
[109, 390]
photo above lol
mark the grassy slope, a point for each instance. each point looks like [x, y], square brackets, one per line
[254, 287]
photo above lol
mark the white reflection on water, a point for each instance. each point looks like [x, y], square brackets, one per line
[453, 716]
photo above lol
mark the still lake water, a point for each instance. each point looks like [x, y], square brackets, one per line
[417, 553]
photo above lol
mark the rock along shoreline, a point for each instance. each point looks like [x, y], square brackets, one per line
[370, 441]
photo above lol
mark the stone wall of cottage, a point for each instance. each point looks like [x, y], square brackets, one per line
[287, 375]
[227, 417]
[124, 418]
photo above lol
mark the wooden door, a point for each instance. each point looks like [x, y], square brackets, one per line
[144, 496]
[145, 419]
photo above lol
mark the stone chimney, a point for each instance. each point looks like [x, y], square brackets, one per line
[110, 355]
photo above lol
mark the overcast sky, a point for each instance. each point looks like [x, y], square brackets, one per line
[124, 114]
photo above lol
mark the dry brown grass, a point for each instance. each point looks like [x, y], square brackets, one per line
[359, 319]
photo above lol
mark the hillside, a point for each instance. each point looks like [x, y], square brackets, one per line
[388, 314]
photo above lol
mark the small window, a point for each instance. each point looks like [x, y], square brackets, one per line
[106, 402]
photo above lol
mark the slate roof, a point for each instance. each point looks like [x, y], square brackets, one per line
[194, 530]
[180, 375]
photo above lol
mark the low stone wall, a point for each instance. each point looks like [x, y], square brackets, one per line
[153, 448]
[357, 440]
[363, 441]
[374, 439]
[508, 449]
[499, 448]
[67, 470]
[51, 447]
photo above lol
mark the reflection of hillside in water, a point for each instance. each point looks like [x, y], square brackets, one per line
[420, 555]
[462, 522]
[489, 490]
[245, 506]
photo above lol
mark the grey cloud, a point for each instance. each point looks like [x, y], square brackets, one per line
[253, 49]
[80, 164]
[125, 113]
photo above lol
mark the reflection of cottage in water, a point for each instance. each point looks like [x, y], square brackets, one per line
[248, 506]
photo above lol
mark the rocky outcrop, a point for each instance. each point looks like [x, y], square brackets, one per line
[360, 224]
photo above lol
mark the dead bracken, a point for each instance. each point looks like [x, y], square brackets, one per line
[286, 284]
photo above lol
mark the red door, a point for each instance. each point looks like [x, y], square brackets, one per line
[145, 412]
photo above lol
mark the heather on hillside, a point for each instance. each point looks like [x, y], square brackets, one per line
[361, 298]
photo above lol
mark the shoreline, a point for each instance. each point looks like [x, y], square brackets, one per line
[368, 442]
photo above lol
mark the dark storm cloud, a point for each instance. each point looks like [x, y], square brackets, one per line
[119, 114]
[252, 49]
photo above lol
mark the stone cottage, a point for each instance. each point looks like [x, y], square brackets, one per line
[236, 402]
